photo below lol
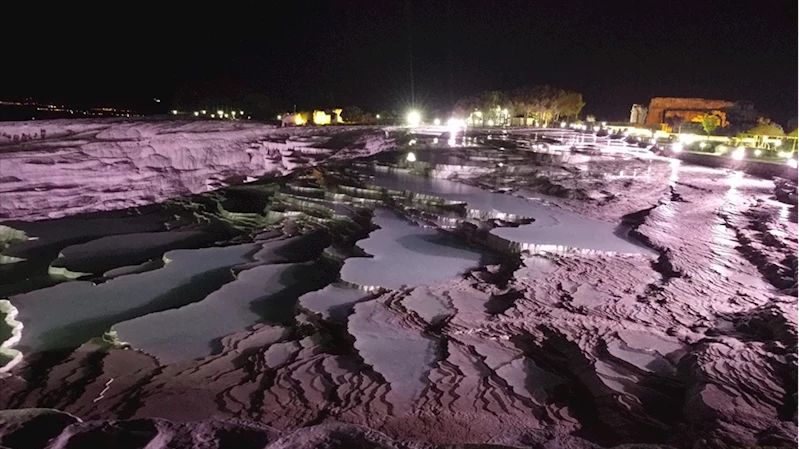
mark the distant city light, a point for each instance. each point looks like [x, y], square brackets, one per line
[196, 114]
[157, 100]
[676, 147]
[490, 122]
[213, 115]
[241, 112]
[414, 118]
[435, 140]
[500, 164]
[739, 153]
[791, 163]
[562, 124]
[784, 154]
[233, 113]
[174, 112]
[758, 152]
[410, 157]
[279, 117]
[596, 128]
[702, 145]
[436, 122]
[778, 143]
[604, 123]
[721, 148]
[377, 116]
[227, 116]
[203, 111]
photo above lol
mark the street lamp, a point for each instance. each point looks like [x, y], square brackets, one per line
[414, 119]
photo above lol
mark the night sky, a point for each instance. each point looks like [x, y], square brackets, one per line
[356, 52]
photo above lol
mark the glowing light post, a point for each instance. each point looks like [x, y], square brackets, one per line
[414, 119]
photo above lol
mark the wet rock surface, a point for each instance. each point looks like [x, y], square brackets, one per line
[686, 340]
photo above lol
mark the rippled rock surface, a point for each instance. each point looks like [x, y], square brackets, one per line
[529, 300]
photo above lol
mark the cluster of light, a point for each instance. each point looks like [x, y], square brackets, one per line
[436, 122]
[676, 147]
[321, 118]
[758, 152]
[739, 153]
[414, 118]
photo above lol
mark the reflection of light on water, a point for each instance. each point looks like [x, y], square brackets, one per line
[668, 210]
[675, 171]
[735, 179]
[785, 212]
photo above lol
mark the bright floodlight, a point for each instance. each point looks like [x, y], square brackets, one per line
[410, 157]
[436, 122]
[414, 118]
[739, 153]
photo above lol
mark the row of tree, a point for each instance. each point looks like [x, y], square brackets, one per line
[543, 104]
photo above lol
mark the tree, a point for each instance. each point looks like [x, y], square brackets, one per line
[352, 114]
[675, 121]
[709, 123]
[569, 104]
[766, 129]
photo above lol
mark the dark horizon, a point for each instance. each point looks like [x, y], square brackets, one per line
[316, 54]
